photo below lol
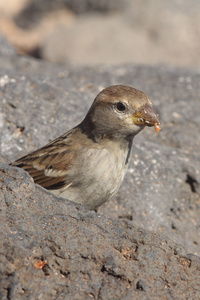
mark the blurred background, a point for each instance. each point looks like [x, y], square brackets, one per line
[89, 32]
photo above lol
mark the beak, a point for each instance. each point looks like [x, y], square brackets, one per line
[146, 116]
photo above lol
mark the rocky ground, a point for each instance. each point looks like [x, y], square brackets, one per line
[145, 242]
[54, 249]
[137, 245]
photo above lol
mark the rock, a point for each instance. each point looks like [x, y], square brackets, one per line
[161, 189]
[54, 249]
[6, 48]
[98, 31]
[51, 247]
[34, 10]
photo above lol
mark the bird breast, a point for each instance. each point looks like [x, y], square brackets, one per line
[96, 182]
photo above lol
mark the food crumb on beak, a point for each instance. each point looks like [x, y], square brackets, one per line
[157, 127]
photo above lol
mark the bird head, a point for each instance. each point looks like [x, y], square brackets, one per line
[121, 111]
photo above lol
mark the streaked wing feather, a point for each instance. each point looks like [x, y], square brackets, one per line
[54, 159]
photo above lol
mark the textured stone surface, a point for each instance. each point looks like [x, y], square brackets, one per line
[89, 255]
[84, 255]
[40, 102]
[161, 190]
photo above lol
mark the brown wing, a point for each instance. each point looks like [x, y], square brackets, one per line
[49, 165]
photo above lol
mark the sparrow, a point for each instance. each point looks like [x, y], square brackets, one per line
[88, 163]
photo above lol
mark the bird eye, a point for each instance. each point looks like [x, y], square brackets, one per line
[120, 106]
